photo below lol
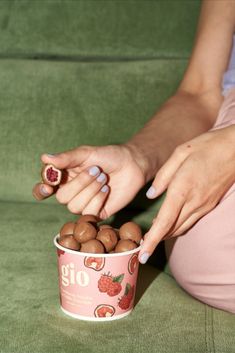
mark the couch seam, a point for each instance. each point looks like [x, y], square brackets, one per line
[87, 58]
[209, 330]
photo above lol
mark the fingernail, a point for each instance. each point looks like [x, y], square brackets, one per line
[141, 242]
[104, 188]
[101, 178]
[44, 191]
[144, 258]
[93, 171]
[50, 155]
[151, 192]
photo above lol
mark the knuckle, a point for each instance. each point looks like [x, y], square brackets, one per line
[181, 150]
[165, 223]
[60, 198]
[72, 208]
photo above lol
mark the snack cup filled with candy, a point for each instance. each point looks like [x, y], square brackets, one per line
[98, 268]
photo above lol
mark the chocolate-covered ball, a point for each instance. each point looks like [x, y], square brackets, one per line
[51, 175]
[104, 226]
[88, 218]
[67, 228]
[125, 245]
[69, 242]
[92, 246]
[131, 231]
[108, 238]
[84, 231]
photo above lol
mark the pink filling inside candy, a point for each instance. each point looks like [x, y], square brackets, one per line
[52, 174]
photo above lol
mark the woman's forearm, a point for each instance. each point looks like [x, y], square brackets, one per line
[193, 109]
[181, 118]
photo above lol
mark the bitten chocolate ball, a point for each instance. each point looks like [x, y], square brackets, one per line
[88, 218]
[131, 231]
[67, 228]
[51, 175]
[92, 246]
[108, 238]
[125, 245]
[84, 231]
[69, 242]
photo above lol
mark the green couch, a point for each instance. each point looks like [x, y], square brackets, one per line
[87, 72]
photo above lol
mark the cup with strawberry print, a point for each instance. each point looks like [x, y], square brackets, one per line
[97, 287]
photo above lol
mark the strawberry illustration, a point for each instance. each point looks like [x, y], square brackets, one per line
[104, 282]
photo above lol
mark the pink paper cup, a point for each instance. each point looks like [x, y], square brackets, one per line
[97, 287]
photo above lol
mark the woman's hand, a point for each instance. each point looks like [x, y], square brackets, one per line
[101, 180]
[196, 177]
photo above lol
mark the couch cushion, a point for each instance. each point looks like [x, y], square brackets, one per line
[51, 107]
[165, 318]
[97, 29]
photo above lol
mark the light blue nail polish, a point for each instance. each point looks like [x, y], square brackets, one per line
[151, 192]
[101, 178]
[43, 191]
[93, 171]
[144, 257]
[104, 188]
[51, 155]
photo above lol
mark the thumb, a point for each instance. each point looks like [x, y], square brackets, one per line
[68, 159]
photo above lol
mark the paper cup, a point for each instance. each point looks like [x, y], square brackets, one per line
[97, 287]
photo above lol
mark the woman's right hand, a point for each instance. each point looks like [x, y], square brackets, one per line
[101, 179]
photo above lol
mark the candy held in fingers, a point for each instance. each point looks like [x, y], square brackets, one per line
[92, 246]
[108, 238]
[51, 175]
[84, 231]
[131, 231]
[69, 242]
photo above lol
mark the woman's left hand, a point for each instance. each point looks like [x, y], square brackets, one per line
[197, 175]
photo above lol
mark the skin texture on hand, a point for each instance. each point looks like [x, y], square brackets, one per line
[196, 176]
[82, 193]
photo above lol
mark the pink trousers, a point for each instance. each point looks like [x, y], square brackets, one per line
[203, 260]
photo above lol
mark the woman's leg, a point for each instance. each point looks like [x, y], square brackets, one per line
[203, 260]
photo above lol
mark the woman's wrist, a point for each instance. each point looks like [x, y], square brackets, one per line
[142, 158]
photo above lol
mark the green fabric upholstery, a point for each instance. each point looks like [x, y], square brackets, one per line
[87, 72]
[165, 318]
[113, 29]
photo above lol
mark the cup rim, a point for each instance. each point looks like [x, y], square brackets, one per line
[85, 254]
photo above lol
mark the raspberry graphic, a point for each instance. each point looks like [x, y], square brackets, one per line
[124, 302]
[114, 289]
[104, 282]
[126, 299]
[111, 285]
[131, 293]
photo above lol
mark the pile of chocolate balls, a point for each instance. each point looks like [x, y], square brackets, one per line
[87, 235]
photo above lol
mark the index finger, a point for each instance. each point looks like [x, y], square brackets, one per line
[165, 219]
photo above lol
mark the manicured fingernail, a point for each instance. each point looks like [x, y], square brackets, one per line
[104, 188]
[44, 191]
[101, 178]
[151, 192]
[93, 171]
[144, 258]
[51, 155]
